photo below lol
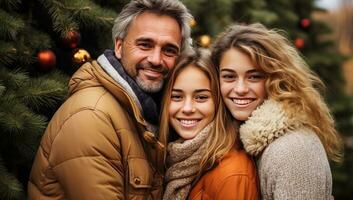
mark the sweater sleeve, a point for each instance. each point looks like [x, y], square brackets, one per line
[86, 159]
[295, 167]
[238, 187]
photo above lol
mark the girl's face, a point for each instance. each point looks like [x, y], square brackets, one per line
[242, 83]
[192, 106]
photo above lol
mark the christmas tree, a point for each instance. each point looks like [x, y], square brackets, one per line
[295, 17]
[42, 42]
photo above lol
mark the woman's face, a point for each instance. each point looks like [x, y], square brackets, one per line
[242, 83]
[191, 105]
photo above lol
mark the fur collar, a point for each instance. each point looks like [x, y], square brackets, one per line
[267, 123]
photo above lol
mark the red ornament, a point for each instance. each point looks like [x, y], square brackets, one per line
[299, 43]
[305, 23]
[46, 59]
[72, 39]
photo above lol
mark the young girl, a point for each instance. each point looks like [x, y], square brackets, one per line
[285, 123]
[204, 160]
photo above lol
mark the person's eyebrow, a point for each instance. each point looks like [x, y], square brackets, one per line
[202, 90]
[170, 45]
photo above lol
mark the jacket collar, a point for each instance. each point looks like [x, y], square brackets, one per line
[147, 105]
[91, 74]
[267, 123]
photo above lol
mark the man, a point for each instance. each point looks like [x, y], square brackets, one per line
[99, 144]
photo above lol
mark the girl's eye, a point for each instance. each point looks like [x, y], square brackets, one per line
[228, 77]
[176, 97]
[257, 76]
[201, 98]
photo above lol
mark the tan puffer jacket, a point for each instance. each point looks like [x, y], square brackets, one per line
[96, 145]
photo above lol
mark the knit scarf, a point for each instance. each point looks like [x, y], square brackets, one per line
[184, 157]
[147, 105]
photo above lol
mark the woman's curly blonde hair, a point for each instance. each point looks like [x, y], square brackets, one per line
[289, 79]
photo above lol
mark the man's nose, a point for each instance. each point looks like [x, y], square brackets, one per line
[155, 57]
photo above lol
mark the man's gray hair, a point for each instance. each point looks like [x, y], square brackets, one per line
[172, 8]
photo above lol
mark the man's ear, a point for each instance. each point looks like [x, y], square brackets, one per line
[118, 47]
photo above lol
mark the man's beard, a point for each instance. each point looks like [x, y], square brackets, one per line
[149, 87]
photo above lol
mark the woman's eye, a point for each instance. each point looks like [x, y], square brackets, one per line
[201, 98]
[228, 77]
[176, 97]
[257, 77]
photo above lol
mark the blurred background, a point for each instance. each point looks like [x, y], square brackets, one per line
[43, 42]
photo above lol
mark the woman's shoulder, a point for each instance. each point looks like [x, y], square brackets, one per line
[297, 146]
[298, 140]
[234, 177]
[234, 163]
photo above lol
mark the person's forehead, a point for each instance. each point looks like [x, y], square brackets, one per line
[155, 26]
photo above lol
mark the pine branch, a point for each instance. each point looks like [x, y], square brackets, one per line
[2, 89]
[36, 39]
[62, 21]
[10, 4]
[91, 15]
[7, 52]
[10, 187]
[264, 16]
[42, 94]
[16, 119]
[10, 25]
[13, 79]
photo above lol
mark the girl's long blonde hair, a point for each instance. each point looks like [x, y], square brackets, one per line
[223, 136]
[289, 81]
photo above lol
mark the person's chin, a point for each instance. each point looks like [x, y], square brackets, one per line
[150, 85]
[241, 115]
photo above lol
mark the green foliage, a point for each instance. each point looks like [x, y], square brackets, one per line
[69, 15]
[9, 4]
[29, 95]
[10, 25]
[10, 187]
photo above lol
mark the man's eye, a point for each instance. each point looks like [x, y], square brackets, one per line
[170, 52]
[144, 45]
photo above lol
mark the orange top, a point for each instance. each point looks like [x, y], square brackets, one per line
[233, 178]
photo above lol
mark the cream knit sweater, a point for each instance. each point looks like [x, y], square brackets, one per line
[292, 163]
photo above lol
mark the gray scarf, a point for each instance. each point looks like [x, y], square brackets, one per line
[144, 101]
[184, 157]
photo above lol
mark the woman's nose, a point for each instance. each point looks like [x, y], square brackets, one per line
[188, 106]
[241, 87]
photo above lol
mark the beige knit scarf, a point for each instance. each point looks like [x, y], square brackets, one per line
[184, 157]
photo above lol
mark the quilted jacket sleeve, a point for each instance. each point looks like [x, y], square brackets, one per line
[86, 157]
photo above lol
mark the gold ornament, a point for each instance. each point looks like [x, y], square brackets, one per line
[192, 23]
[80, 56]
[205, 41]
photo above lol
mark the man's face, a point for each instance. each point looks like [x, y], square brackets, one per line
[149, 50]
